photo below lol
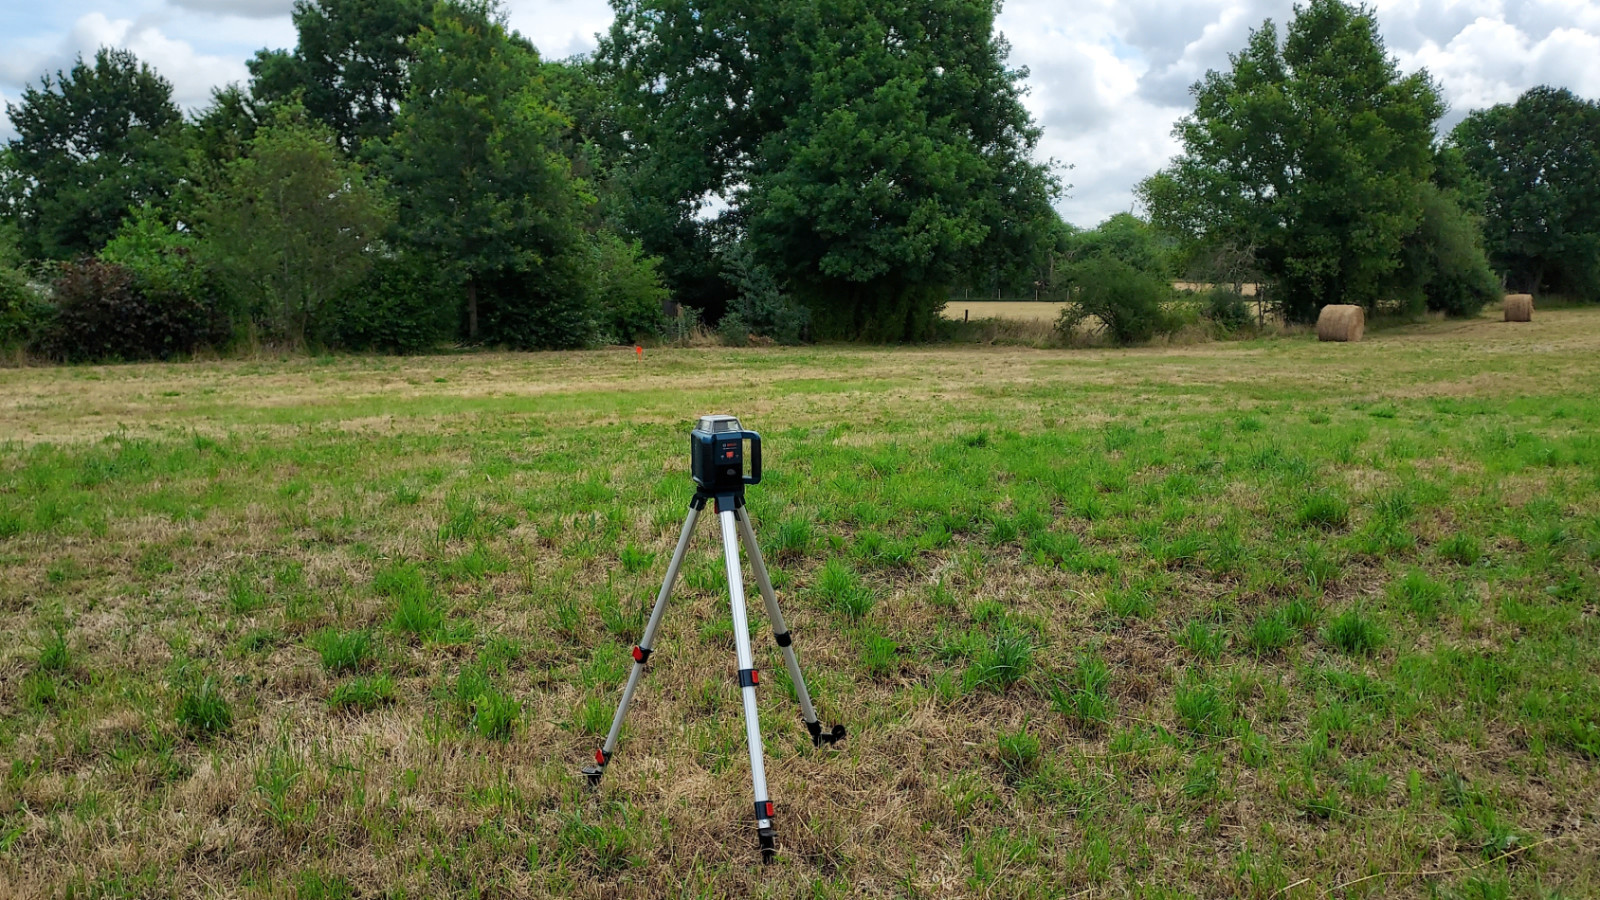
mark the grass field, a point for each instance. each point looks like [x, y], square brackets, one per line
[1272, 619]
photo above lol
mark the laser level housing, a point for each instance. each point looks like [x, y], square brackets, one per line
[717, 456]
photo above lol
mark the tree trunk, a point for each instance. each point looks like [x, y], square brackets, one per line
[472, 309]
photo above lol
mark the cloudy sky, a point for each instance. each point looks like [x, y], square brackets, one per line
[1109, 77]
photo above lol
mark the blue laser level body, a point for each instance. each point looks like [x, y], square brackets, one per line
[717, 456]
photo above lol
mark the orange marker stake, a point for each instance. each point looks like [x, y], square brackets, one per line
[639, 351]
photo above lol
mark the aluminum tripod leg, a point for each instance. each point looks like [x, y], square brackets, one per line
[747, 680]
[780, 634]
[641, 653]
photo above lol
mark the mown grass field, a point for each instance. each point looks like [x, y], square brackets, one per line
[1275, 619]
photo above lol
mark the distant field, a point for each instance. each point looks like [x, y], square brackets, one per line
[1271, 619]
[1003, 309]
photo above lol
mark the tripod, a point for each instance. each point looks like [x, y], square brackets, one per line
[735, 522]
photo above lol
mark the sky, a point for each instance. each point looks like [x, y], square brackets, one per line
[1107, 78]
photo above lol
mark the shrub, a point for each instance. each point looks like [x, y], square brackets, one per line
[104, 313]
[402, 305]
[548, 307]
[762, 306]
[1443, 264]
[22, 310]
[1226, 310]
[628, 289]
[1128, 302]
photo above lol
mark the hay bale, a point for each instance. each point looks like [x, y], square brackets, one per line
[1519, 307]
[1341, 323]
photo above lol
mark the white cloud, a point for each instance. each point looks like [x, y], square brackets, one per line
[193, 74]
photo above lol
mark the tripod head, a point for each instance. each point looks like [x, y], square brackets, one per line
[717, 455]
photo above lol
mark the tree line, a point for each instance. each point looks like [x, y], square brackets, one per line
[413, 173]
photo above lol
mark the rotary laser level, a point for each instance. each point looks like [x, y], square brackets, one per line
[717, 462]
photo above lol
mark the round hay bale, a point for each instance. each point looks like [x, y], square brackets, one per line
[1519, 307]
[1338, 322]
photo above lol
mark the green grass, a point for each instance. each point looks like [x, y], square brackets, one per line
[1226, 620]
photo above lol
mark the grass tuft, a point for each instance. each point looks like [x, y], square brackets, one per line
[1354, 633]
[364, 694]
[1323, 510]
[842, 591]
[342, 652]
[203, 710]
[1002, 662]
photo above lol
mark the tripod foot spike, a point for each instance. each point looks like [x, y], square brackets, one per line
[820, 738]
[769, 844]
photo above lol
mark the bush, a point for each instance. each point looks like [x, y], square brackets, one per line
[762, 307]
[1443, 264]
[104, 312]
[628, 289]
[1128, 302]
[547, 308]
[1226, 310]
[22, 311]
[402, 305]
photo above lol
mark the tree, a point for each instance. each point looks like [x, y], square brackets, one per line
[293, 226]
[871, 154]
[476, 162]
[1313, 152]
[91, 144]
[1538, 160]
[350, 65]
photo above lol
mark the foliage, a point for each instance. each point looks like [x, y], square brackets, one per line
[475, 161]
[627, 288]
[1129, 303]
[162, 258]
[91, 144]
[1313, 152]
[870, 154]
[349, 65]
[20, 305]
[1226, 309]
[763, 307]
[104, 312]
[292, 226]
[1538, 160]
[1444, 267]
[1128, 238]
[401, 305]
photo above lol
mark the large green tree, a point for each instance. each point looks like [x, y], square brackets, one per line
[476, 162]
[350, 66]
[871, 154]
[293, 225]
[91, 143]
[1313, 152]
[1538, 161]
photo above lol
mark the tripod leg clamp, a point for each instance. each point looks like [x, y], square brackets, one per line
[749, 678]
[641, 655]
[593, 773]
[820, 737]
